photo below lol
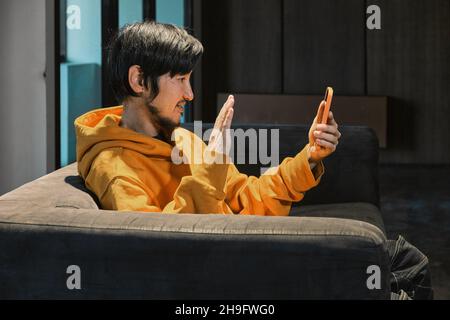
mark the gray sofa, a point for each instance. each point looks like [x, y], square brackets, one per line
[322, 251]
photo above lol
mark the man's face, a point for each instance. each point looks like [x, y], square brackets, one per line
[174, 93]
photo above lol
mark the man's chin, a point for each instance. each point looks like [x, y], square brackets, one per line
[177, 122]
[167, 126]
[172, 124]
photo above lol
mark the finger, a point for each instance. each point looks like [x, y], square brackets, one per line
[218, 132]
[326, 144]
[330, 117]
[326, 136]
[222, 114]
[320, 112]
[331, 120]
[228, 119]
[328, 128]
[226, 132]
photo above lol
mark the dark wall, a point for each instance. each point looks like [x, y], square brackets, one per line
[324, 46]
[243, 49]
[409, 60]
[301, 46]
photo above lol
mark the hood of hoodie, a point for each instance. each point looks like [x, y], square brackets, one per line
[99, 129]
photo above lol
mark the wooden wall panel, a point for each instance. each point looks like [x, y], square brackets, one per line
[243, 49]
[409, 60]
[281, 47]
[324, 44]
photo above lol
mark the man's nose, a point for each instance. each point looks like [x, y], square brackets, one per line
[188, 94]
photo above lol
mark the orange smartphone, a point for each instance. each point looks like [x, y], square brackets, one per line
[328, 98]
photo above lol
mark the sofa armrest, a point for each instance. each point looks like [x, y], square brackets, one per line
[361, 211]
[186, 256]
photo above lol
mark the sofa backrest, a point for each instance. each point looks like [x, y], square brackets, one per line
[351, 173]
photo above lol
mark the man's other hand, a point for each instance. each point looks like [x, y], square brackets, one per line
[323, 138]
[220, 139]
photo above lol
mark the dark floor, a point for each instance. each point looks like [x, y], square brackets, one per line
[415, 202]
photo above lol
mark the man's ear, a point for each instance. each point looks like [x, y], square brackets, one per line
[135, 79]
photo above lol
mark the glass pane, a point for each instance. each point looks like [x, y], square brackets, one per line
[81, 71]
[130, 11]
[170, 11]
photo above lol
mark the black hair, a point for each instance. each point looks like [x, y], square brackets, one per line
[158, 48]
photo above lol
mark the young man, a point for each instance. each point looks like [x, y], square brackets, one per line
[125, 153]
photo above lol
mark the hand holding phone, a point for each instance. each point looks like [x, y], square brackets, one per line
[323, 134]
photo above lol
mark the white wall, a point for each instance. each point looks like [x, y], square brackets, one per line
[22, 92]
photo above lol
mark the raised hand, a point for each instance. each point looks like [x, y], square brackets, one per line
[220, 139]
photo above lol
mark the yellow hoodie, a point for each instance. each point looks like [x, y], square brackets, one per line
[134, 172]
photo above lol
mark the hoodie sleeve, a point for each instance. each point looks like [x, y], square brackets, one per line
[274, 192]
[200, 193]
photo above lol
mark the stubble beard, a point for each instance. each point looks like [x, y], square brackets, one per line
[163, 125]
